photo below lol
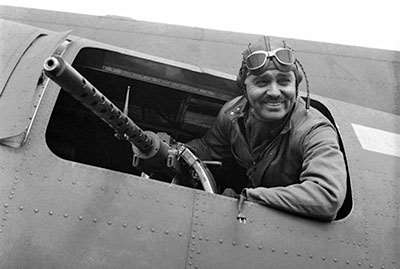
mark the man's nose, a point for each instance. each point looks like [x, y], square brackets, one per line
[273, 89]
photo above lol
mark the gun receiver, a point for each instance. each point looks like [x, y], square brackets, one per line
[155, 152]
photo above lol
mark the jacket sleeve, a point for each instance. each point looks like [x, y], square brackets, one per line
[215, 144]
[322, 184]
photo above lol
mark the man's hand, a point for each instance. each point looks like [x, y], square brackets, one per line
[230, 193]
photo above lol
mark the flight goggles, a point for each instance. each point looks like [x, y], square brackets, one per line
[260, 58]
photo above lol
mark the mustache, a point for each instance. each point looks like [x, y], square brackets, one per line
[271, 99]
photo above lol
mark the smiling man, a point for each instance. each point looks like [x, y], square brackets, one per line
[275, 149]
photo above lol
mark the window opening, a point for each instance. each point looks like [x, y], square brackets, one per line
[76, 134]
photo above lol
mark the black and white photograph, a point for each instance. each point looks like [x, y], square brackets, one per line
[199, 134]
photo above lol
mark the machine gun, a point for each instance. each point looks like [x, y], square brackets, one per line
[150, 151]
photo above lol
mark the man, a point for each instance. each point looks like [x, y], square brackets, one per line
[290, 153]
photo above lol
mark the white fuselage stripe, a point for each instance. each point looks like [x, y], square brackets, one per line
[378, 140]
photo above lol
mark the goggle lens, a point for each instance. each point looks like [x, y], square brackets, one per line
[285, 56]
[256, 60]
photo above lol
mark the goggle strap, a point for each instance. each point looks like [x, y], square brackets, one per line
[297, 62]
[267, 44]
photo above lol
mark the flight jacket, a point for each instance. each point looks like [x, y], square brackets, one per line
[302, 170]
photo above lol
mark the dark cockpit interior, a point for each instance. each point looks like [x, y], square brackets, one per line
[75, 133]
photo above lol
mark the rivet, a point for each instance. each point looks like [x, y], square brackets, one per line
[371, 266]
[200, 238]
[193, 243]
[383, 267]
[21, 208]
[109, 222]
[286, 252]
[234, 243]
[221, 241]
[80, 218]
[180, 234]
[334, 260]
[36, 210]
[10, 197]
[166, 232]
[12, 192]
[359, 263]
[323, 258]
[190, 263]
[207, 239]
[138, 227]
[5, 205]
[125, 225]
[198, 252]
[193, 236]
[4, 218]
[94, 220]
[273, 250]
[117, 191]
[1, 230]
[347, 262]
[65, 215]
[59, 179]
[130, 194]
[247, 245]
[153, 230]
[51, 213]
[260, 247]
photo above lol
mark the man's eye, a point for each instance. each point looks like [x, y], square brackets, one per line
[284, 81]
[261, 83]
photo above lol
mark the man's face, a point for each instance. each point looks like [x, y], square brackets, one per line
[271, 94]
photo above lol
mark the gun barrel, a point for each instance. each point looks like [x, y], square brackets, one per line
[82, 90]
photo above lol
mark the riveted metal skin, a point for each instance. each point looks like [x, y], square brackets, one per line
[60, 214]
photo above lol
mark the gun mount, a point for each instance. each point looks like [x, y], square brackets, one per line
[152, 151]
